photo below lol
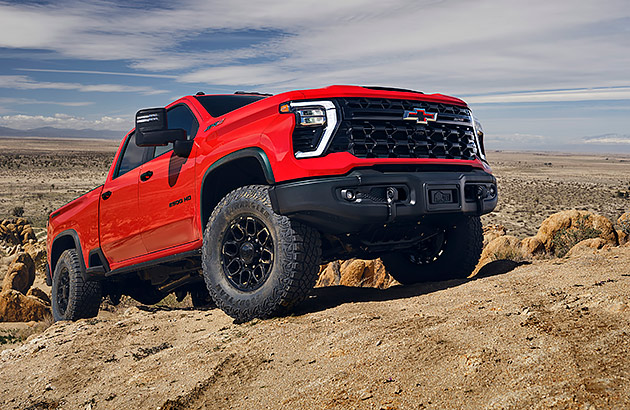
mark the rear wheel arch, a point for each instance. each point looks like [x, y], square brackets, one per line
[68, 239]
[249, 166]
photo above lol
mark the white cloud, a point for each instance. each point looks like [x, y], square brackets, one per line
[22, 82]
[455, 46]
[30, 101]
[115, 73]
[25, 122]
[583, 94]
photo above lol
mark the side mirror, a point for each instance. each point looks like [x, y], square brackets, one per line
[152, 129]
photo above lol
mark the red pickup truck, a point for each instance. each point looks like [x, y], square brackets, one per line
[237, 199]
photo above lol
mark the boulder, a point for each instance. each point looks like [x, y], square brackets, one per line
[16, 231]
[39, 294]
[355, 272]
[575, 220]
[491, 232]
[329, 274]
[37, 252]
[623, 223]
[532, 246]
[16, 307]
[586, 245]
[20, 275]
[623, 237]
[504, 247]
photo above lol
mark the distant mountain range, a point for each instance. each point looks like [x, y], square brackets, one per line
[51, 132]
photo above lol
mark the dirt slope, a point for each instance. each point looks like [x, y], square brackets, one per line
[553, 334]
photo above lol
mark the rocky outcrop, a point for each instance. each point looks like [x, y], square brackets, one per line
[16, 307]
[532, 246]
[506, 247]
[575, 220]
[623, 224]
[37, 252]
[355, 272]
[16, 231]
[587, 245]
[491, 232]
[20, 275]
[39, 294]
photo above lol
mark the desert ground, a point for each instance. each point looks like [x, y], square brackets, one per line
[551, 333]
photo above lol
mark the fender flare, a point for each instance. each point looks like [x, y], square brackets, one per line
[251, 152]
[77, 245]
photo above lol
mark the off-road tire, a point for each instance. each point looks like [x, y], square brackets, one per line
[72, 297]
[457, 257]
[294, 267]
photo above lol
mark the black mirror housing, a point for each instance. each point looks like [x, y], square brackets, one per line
[183, 148]
[152, 129]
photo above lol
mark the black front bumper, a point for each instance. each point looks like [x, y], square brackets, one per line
[366, 198]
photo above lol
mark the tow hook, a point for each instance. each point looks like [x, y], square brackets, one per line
[392, 197]
[482, 193]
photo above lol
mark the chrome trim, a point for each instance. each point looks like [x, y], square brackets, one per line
[331, 124]
[467, 124]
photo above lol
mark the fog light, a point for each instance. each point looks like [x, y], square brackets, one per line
[493, 191]
[348, 195]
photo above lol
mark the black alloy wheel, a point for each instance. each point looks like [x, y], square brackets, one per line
[63, 292]
[247, 253]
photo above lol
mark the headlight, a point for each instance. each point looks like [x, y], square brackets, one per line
[478, 131]
[315, 123]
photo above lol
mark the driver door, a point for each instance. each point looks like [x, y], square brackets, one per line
[167, 196]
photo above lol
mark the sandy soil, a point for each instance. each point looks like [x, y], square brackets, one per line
[553, 334]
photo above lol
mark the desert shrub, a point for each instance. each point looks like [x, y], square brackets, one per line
[565, 239]
[18, 211]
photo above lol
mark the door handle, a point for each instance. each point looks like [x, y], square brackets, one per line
[146, 175]
[106, 194]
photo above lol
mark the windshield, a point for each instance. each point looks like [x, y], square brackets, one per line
[217, 105]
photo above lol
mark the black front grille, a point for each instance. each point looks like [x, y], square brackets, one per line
[375, 128]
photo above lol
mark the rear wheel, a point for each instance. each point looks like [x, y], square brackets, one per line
[448, 254]
[72, 297]
[257, 263]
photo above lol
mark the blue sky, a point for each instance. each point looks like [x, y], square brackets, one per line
[539, 74]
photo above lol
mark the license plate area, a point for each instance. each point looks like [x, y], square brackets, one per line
[442, 197]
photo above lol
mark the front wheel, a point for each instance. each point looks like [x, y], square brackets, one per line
[72, 297]
[256, 263]
[448, 254]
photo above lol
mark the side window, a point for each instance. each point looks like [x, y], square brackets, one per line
[131, 158]
[179, 116]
